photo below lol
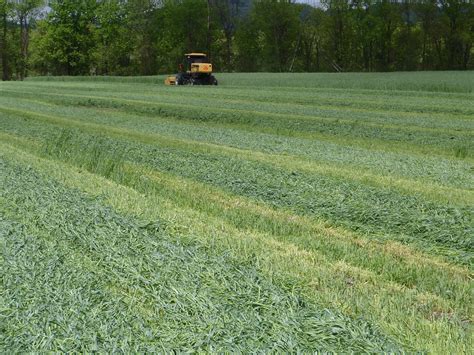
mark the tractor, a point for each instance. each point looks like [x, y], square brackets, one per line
[196, 71]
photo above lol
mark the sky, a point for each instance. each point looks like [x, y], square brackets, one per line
[311, 2]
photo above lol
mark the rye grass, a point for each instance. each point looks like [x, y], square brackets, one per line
[332, 213]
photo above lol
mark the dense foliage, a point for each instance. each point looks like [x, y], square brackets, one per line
[273, 213]
[144, 37]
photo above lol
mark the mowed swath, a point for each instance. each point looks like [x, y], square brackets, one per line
[274, 212]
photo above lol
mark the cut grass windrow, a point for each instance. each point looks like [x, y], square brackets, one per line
[160, 291]
[281, 111]
[444, 142]
[390, 259]
[311, 212]
[446, 171]
[397, 309]
[381, 101]
[364, 217]
[429, 190]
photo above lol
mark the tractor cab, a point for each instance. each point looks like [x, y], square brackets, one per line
[197, 63]
[196, 58]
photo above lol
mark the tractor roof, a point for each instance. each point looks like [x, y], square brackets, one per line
[195, 54]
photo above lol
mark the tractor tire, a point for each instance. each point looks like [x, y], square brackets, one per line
[212, 80]
[179, 79]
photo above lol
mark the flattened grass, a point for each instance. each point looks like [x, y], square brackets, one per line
[95, 280]
[401, 311]
[333, 214]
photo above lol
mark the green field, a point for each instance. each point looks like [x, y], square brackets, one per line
[275, 212]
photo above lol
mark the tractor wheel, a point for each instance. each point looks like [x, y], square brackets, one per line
[213, 80]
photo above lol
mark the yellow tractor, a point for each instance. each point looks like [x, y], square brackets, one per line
[198, 71]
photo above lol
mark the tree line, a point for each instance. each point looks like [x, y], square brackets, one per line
[146, 37]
